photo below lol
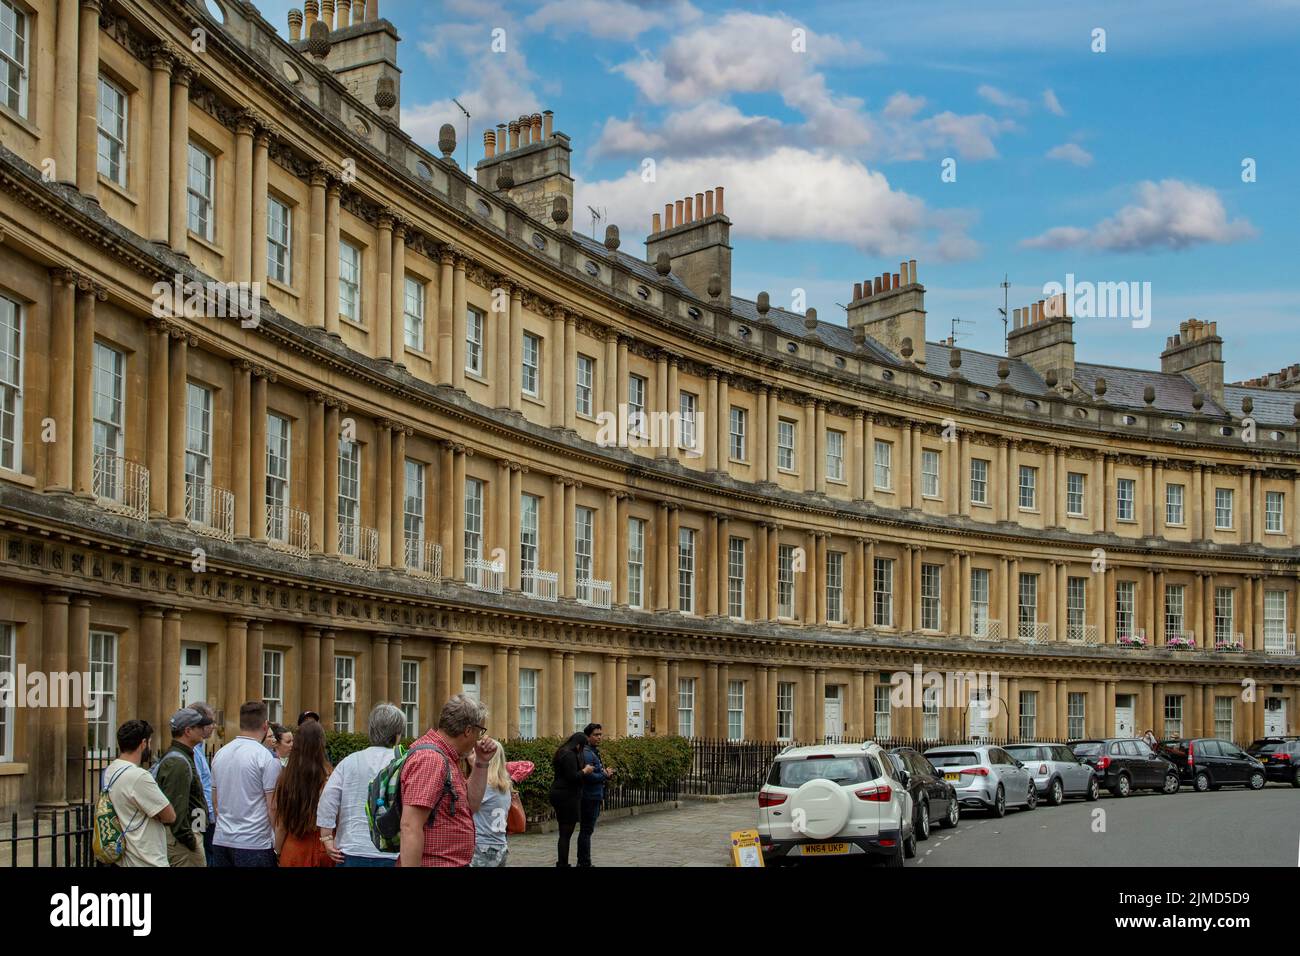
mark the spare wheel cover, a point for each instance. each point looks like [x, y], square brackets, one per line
[824, 807]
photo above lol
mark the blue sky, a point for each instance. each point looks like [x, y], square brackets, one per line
[1122, 165]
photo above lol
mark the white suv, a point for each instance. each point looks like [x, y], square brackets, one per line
[835, 800]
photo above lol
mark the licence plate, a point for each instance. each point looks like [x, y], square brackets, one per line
[952, 776]
[823, 849]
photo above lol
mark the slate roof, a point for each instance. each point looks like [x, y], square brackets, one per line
[1272, 407]
[1125, 387]
[981, 368]
[638, 267]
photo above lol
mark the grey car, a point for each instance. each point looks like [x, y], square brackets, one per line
[1057, 772]
[985, 777]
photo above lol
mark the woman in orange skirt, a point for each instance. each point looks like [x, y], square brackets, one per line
[297, 792]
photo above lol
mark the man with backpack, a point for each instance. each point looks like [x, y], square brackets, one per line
[141, 811]
[178, 778]
[438, 803]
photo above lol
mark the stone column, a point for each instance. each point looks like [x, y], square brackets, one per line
[457, 503]
[178, 167]
[706, 567]
[1109, 726]
[256, 647]
[610, 374]
[499, 716]
[171, 661]
[1013, 480]
[514, 351]
[819, 705]
[241, 446]
[512, 694]
[316, 282]
[659, 405]
[819, 579]
[808, 584]
[52, 779]
[860, 577]
[159, 180]
[88, 100]
[385, 318]
[566, 700]
[609, 695]
[443, 684]
[459, 317]
[397, 514]
[608, 547]
[66, 85]
[620, 372]
[328, 692]
[150, 704]
[668, 696]
[770, 432]
[1158, 501]
[709, 411]
[241, 242]
[672, 556]
[261, 165]
[569, 575]
[619, 558]
[62, 371]
[446, 259]
[952, 592]
[963, 591]
[379, 670]
[724, 424]
[83, 380]
[257, 457]
[1110, 628]
[176, 417]
[673, 400]
[869, 457]
[316, 470]
[330, 293]
[514, 517]
[857, 461]
[1195, 507]
[718, 712]
[773, 571]
[309, 695]
[236, 651]
[570, 371]
[1255, 595]
[156, 409]
[809, 443]
[1108, 494]
[387, 492]
[446, 504]
[331, 488]
[620, 699]
[819, 448]
[555, 549]
[397, 296]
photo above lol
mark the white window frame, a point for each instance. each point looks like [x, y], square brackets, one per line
[738, 426]
[930, 464]
[1174, 504]
[102, 664]
[279, 444]
[1173, 716]
[979, 481]
[1076, 493]
[979, 601]
[834, 455]
[883, 465]
[112, 157]
[528, 703]
[201, 189]
[530, 509]
[531, 364]
[474, 320]
[273, 684]
[349, 497]
[1027, 488]
[736, 577]
[414, 295]
[413, 512]
[882, 716]
[198, 447]
[582, 681]
[686, 570]
[1175, 601]
[585, 378]
[8, 709]
[735, 710]
[1076, 605]
[835, 587]
[345, 692]
[1125, 598]
[882, 592]
[350, 265]
[785, 704]
[1076, 717]
[1125, 498]
[409, 697]
[785, 581]
[1223, 717]
[15, 59]
[12, 344]
[785, 438]
[1274, 509]
[279, 240]
[1225, 611]
[584, 524]
[636, 562]
[1223, 501]
[636, 419]
[686, 706]
[473, 542]
[108, 405]
[1028, 723]
[688, 405]
[931, 597]
[1027, 601]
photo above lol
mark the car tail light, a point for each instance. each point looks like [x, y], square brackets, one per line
[889, 843]
[1042, 768]
[975, 771]
[1103, 763]
[1281, 756]
[874, 794]
[1190, 749]
[766, 799]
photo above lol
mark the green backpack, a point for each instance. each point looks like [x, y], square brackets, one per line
[384, 799]
[109, 839]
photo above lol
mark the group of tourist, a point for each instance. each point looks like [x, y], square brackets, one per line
[270, 796]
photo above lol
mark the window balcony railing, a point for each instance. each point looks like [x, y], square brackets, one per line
[424, 559]
[542, 585]
[987, 630]
[1085, 634]
[210, 510]
[288, 529]
[1180, 640]
[358, 545]
[484, 575]
[121, 486]
[1230, 643]
[593, 592]
[1028, 632]
[1131, 637]
[1283, 644]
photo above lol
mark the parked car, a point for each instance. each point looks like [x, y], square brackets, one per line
[934, 799]
[835, 800]
[1057, 772]
[985, 777]
[1125, 764]
[1208, 763]
[1280, 757]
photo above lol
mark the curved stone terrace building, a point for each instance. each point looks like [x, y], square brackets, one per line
[390, 475]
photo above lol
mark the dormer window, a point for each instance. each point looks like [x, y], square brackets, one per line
[592, 268]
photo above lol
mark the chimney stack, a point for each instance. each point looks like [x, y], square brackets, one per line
[539, 165]
[364, 58]
[1042, 334]
[696, 235]
[489, 144]
[890, 308]
[1197, 352]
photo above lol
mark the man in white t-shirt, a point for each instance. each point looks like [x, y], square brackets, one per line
[244, 773]
[341, 813]
[143, 812]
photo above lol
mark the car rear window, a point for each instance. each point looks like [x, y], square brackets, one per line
[841, 770]
[1275, 748]
[1087, 748]
[1023, 753]
[954, 759]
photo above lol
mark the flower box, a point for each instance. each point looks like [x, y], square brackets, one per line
[1232, 647]
[1181, 643]
[1131, 641]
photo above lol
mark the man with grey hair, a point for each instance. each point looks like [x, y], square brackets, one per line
[341, 813]
[205, 771]
[438, 802]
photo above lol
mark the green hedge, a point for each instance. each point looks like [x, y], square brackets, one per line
[656, 762]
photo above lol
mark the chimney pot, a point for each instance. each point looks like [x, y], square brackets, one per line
[717, 192]
[311, 11]
[295, 25]
[514, 134]
[699, 205]
[857, 291]
[911, 270]
[680, 213]
[897, 284]
[327, 12]
[708, 203]
[668, 215]
[876, 286]
[537, 127]
[655, 225]
[343, 13]
[358, 12]
[548, 124]
[690, 210]
[489, 143]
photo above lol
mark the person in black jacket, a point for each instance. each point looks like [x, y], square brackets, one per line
[566, 791]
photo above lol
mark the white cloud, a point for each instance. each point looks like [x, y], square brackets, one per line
[710, 128]
[1001, 98]
[1052, 103]
[1071, 153]
[609, 19]
[1170, 214]
[792, 194]
[972, 136]
[903, 106]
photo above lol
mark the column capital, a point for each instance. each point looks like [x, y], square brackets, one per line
[401, 227]
[318, 398]
[162, 56]
[247, 122]
[447, 254]
[386, 219]
[241, 365]
[183, 70]
[261, 371]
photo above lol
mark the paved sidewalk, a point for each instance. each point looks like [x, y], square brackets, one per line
[696, 834]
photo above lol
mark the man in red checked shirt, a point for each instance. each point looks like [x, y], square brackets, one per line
[438, 803]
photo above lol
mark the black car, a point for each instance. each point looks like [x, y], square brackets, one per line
[1280, 757]
[1208, 763]
[1125, 764]
[933, 798]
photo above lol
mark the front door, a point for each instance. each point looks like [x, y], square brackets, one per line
[635, 717]
[1125, 707]
[194, 674]
[471, 683]
[977, 715]
[834, 713]
[1274, 716]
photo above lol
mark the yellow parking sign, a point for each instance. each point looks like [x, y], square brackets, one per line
[745, 850]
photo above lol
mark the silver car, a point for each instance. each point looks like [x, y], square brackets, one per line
[1057, 772]
[985, 777]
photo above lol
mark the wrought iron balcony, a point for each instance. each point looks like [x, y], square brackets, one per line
[543, 585]
[358, 545]
[121, 486]
[210, 510]
[288, 529]
[593, 592]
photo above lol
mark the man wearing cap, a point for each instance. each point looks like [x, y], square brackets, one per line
[178, 778]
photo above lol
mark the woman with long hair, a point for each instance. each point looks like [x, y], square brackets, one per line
[490, 818]
[297, 793]
[566, 791]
